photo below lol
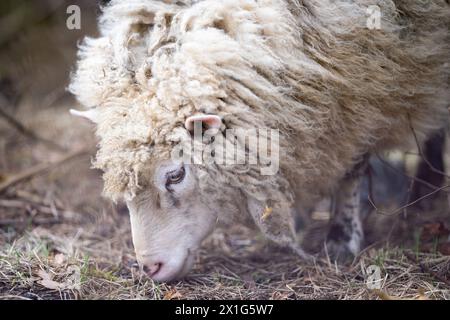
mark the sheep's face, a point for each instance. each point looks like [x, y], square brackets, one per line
[169, 221]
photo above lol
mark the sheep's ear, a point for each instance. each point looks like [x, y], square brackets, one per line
[90, 114]
[209, 121]
[277, 224]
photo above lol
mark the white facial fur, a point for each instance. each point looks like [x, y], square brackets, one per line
[169, 222]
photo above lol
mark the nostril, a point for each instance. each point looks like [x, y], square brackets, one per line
[152, 269]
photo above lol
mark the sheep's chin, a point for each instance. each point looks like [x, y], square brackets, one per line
[187, 267]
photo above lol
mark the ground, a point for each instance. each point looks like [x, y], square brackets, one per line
[59, 239]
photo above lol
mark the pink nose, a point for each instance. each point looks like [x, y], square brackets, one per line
[152, 269]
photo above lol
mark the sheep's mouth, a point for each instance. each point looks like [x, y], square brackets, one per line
[180, 271]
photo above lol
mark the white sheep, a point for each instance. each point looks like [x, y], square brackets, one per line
[336, 88]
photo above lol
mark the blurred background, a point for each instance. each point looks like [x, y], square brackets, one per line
[44, 152]
[50, 199]
[37, 50]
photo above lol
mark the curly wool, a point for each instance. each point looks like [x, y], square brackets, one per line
[334, 88]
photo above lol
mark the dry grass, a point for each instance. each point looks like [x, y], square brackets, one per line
[230, 267]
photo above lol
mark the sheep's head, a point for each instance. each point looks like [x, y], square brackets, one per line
[158, 72]
[169, 218]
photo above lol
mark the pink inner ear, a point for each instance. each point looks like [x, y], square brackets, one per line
[211, 121]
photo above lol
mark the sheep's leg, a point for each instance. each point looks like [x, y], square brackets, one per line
[345, 235]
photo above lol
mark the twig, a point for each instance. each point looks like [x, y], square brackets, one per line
[407, 205]
[39, 169]
[424, 268]
[22, 204]
[36, 221]
[23, 130]
[410, 188]
[13, 297]
[431, 186]
[38, 200]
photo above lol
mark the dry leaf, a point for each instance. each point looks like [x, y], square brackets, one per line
[267, 212]
[444, 248]
[385, 296]
[48, 282]
[276, 295]
[422, 295]
[60, 259]
[172, 294]
[434, 230]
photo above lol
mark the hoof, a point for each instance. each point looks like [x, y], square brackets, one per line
[339, 251]
[343, 245]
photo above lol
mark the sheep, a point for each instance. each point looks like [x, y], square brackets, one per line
[334, 87]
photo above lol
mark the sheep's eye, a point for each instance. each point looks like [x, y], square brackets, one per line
[176, 176]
